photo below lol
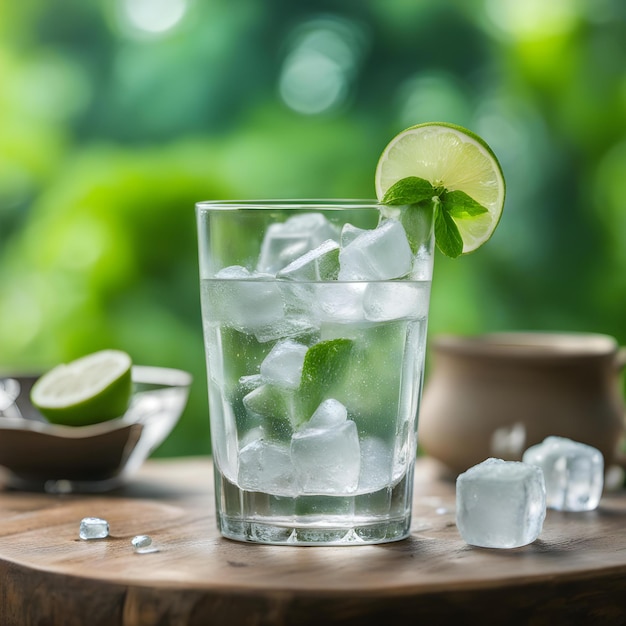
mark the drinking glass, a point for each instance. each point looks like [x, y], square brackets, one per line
[314, 317]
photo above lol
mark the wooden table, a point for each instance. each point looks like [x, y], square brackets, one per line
[574, 573]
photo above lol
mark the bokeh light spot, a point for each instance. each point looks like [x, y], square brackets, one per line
[312, 83]
[530, 19]
[432, 96]
[153, 16]
[320, 65]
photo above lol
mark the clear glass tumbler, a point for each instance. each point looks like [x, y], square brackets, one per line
[314, 316]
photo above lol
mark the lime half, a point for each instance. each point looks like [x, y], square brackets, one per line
[454, 158]
[92, 389]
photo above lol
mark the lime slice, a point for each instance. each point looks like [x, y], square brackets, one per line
[92, 389]
[452, 157]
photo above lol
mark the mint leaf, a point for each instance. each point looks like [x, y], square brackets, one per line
[417, 220]
[409, 190]
[419, 200]
[324, 366]
[459, 204]
[447, 233]
[415, 195]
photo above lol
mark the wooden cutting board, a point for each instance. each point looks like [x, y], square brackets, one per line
[574, 573]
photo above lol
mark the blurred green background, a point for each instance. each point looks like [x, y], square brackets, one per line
[116, 116]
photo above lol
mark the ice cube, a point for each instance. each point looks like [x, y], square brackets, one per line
[290, 326]
[285, 242]
[270, 401]
[329, 413]
[247, 301]
[93, 528]
[141, 541]
[376, 465]
[573, 471]
[321, 263]
[283, 365]
[234, 272]
[397, 300]
[509, 441]
[251, 382]
[299, 298]
[379, 254]
[500, 504]
[143, 544]
[349, 233]
[327, 460]
[422, 264]
[266, 466]
[340, 302]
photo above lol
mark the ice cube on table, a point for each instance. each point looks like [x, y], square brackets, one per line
[266, 466]
[247, 301]
[93, 528]
[141, 541]
[573, 471]
[380, 254]
[500, 504]
[283, 365]
[142, 544]
[284, 242]
[326, 454]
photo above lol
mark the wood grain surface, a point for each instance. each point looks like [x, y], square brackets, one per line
[574, 573]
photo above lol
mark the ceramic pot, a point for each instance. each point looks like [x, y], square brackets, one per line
[497, 394]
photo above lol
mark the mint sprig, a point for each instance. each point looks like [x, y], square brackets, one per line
[423, 202]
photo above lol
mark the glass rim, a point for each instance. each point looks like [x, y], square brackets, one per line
[325, 204]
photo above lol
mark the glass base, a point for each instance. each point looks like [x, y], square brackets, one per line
[374, 517]
[259, 532]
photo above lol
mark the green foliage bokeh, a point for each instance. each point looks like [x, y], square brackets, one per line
[111, 129]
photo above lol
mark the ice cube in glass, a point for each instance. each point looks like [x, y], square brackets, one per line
[376, 464]
[379, 254]
[244, 300]
[326, 452]
[284, 242]
[396, 300]
[321, 263]
[339, 302]
[283, 364]
[266, 466]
